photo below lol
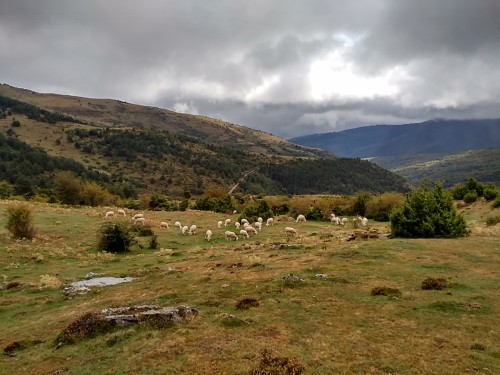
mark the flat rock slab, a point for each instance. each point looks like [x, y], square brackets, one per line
[83, 286]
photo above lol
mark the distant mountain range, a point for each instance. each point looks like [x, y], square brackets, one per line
[434, 136]
[451, 151]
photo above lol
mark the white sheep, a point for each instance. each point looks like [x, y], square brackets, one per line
[270, 222]
[343, 221]
[258, 225]
[336, 220]
[289, 231]
[226, 223]
[237, 225]
[109, 214]
[184, 229]
[137, 216]
[250, 229]
[192, 229]
[364, 221]
[230, 235]
[244, 221]
[260, 220]
[122, 212]
[301, 219]
[178, 225]
[164, 224]
[219, 224]
[208, 235]
[140, 220]
[244, 233]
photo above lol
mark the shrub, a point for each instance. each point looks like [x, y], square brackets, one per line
[153, 242]
[314, 214]
[496, 202]
[253, 211]
[20, 221]
[492, 220]
[434, 284]
[470, 197]
[426, 214]
[115, 238]
[490, 193]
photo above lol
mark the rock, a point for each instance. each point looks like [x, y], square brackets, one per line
[293, 278]
[83, 287]
[321, 276]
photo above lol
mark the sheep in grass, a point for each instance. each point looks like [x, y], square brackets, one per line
[226, 223]
[137, 216]
[237, 225]
[289, 231]
[251, 230]
[230, 236]
[244, 233]
[208, 235]
[164, 224]
[336, 220]
[185, 229]
[219, 224]
[301, 219]
[122, 212]
[140, 220]
[192, 229]
[270, 222]
[260, 220]
[344, 221]
[258, 225]
[244, 221]
[178, 225]
[109, 214]
[364, 221]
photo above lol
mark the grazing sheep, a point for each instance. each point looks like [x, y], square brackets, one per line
[364, 221]
[109, 214]
[290, 218]
[230, 235]
[332, 215]
[137, 216]
[185, 229]
[208, 235]
[122, 212]
[178, 225]
[343, 221]
[258, 225]
[244, 221]
[301, 219]
[164, 224]
[260, 220]
[250, 229]
[226, 223]
[336, 220]
[219, 224]
[237, 225]
[244, 233]
[270, 222]
[192, 229]
[289, 231]
[140, 220]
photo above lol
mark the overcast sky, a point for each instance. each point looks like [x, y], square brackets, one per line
[288, 67]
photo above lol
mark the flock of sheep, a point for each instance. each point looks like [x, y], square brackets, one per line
[246, 230]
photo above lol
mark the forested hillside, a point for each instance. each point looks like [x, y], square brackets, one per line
[37, 144]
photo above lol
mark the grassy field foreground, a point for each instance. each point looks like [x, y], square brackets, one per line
[329, 323]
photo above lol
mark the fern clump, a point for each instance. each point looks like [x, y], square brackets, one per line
[428, 213]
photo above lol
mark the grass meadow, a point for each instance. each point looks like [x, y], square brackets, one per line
[330, 323]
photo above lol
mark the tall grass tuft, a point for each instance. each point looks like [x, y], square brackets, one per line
[20, 221]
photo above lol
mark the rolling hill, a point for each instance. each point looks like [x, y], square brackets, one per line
[160, 151]
[451, 151]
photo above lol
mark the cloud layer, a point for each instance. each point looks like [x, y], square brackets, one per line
[286, 67]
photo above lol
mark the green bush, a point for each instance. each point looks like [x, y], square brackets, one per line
[490, 193]
[496, 202]
[314, 214]
[20, 221]
[253, 211]
[426, 214]
[470, 197]
[115, 237]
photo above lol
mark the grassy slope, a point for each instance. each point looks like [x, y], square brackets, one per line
[331, 326]
[483, 165]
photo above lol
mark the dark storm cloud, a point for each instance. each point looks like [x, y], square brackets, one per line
[252, 62]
